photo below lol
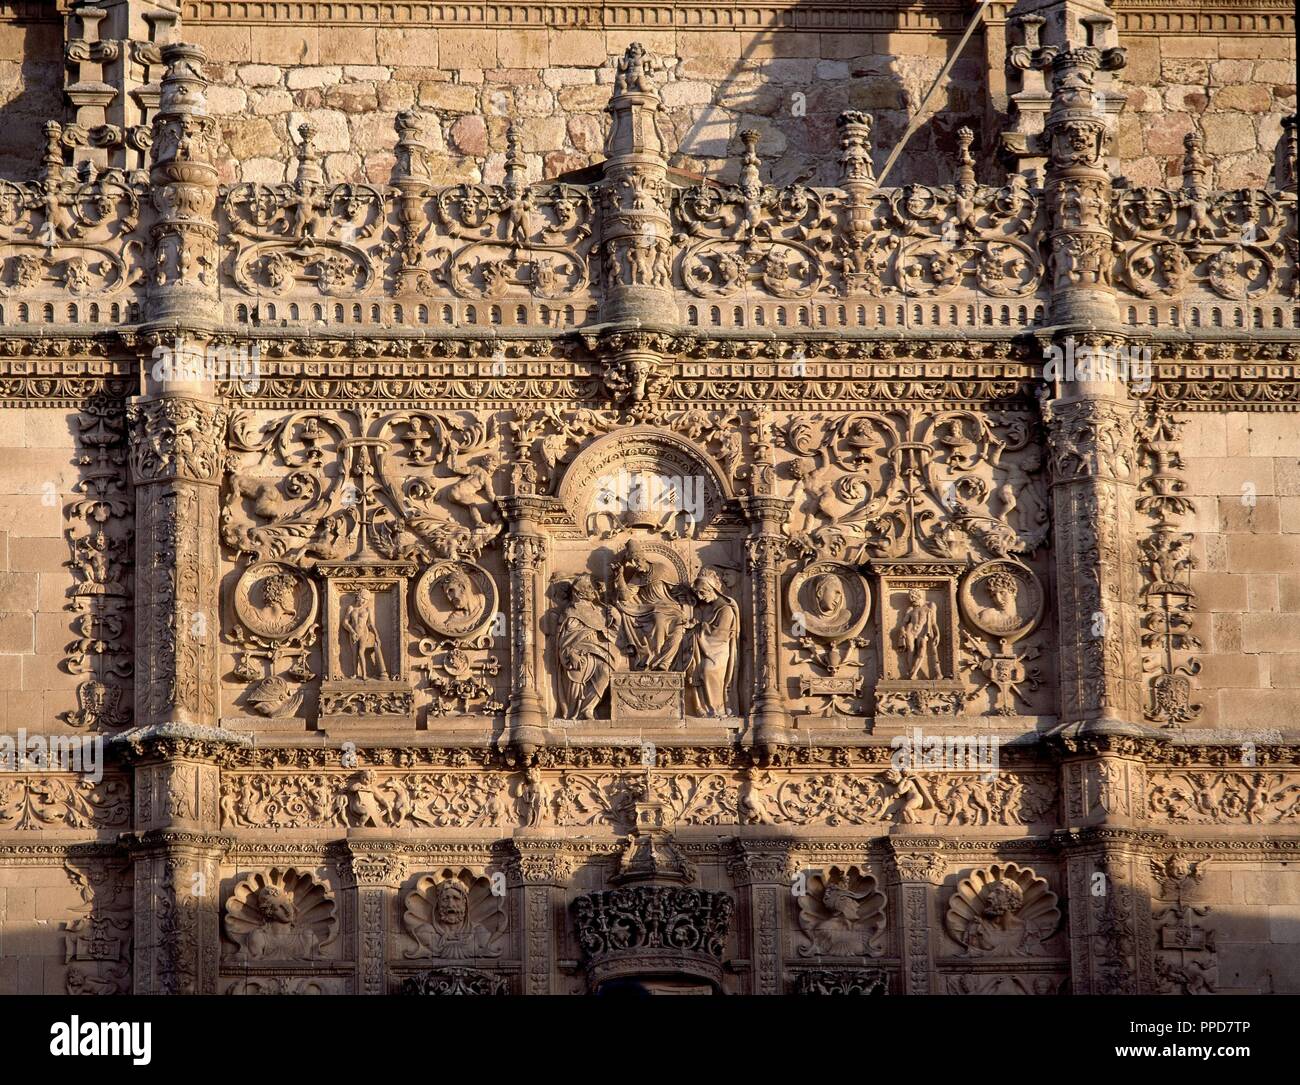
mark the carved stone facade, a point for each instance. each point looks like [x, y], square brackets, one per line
[489, 569]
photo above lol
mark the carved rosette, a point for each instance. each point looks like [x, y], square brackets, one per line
[653, 930]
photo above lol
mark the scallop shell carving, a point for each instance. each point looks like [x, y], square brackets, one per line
[1001, 910]
[454, 916]
[842, 914]
[280, 915]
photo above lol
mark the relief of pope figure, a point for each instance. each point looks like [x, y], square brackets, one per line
[653, 622]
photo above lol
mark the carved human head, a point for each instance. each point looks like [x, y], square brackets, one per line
[450, 904]
[916, 596]
[829, 594]
[583, 588]
[458, 588]
[1003, 588]
[1002, 898]
[708, 585]
[803, 467]
[280, 590]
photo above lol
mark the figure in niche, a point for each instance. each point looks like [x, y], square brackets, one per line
[713, 646]
[653, 622]
[535, 796]
[584, 650]
[359, 624]
[1004, 615]
[455, 918]
[919, 634]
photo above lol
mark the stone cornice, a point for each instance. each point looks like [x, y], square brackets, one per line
[1134, 17]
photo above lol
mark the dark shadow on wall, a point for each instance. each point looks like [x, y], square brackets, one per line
[31, 90]
[794, 103]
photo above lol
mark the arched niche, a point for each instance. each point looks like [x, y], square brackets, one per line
[644, 477]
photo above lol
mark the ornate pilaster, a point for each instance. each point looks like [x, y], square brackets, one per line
[1090, 417]
[176, 457]
[176, 853]
[539, 871]
[177, 890]
[525, 554]
[762, 875]
[1036, 31]
[1111, 940]
[1093, 457]
[411, 179]
[769, 711]
[915, 872]
[113, 50]
[858, 179]
[1079, 189]
[370, 871]
[636, 237]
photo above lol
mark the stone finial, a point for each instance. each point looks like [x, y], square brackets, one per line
[1195, 168]
[750, 162]
[965, 160]
[52, 160]
[1284, 168]
[411, 151]
[855, 148]
[633, 73]
[309, 169]
[633, 106]
[516, 176]
[184, 82]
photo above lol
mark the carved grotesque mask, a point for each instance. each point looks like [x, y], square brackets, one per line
[451, 906]
[1002, 899]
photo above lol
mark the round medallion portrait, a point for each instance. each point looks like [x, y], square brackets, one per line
[274, 600]
[456, 599]
[831, 599]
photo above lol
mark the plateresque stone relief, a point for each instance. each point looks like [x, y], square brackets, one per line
[735, 579]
